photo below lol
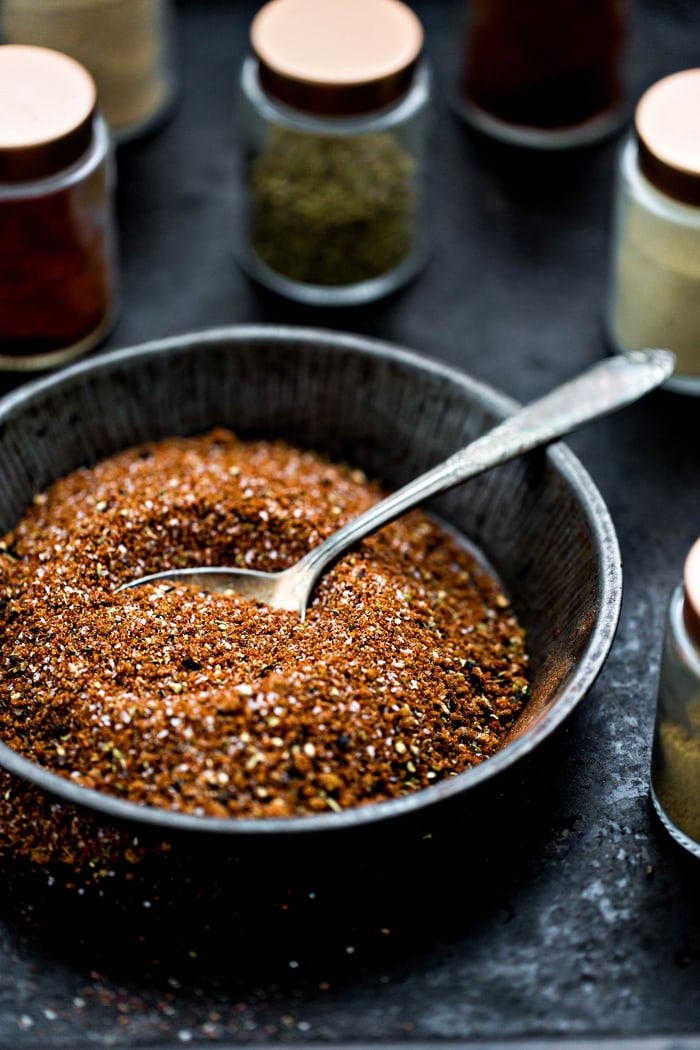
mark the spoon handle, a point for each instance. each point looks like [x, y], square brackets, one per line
[607, 386]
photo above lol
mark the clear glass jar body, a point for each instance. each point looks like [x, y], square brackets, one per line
[333, 207]
[125, 44]
[675, 764]
[545, 74]
[58, 264]
[654, 292]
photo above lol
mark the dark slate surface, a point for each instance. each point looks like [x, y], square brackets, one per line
[561, 913]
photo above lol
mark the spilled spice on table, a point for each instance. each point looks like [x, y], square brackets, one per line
[409, 667]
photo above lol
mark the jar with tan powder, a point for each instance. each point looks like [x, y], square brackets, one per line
[675, 769]
[125, 44]
[654, 296]
[335, 98]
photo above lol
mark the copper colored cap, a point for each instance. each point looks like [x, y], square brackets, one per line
[691, 605]
[667, 121]
[47, 102]
[336, 57]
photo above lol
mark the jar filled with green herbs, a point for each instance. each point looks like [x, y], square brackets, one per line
[335, 99]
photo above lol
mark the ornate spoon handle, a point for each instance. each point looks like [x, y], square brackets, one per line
[609, 385]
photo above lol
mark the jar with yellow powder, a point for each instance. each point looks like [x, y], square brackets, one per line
[675, 768]
[655, 274]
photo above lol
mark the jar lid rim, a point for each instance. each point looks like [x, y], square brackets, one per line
[691, 584]
[47, 107]
[337, 57]
[667, 126]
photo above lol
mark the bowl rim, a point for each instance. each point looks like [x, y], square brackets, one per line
[586, 671]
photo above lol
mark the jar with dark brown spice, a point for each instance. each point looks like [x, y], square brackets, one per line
[544, 73]
[335, 99]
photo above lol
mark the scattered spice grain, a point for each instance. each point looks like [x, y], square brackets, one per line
[409, 667]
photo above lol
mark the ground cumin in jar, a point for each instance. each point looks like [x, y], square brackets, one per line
[654, 283]
[409, 667]
[125, 44]
[675, 759]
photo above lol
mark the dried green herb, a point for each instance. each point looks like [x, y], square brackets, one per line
[332, 211]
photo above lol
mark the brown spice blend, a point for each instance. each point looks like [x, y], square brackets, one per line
[409, 667]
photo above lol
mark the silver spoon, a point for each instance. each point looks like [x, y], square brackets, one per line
[608, 385]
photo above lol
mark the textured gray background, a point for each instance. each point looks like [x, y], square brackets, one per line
[575, 916]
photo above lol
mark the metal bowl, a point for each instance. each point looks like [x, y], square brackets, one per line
[539, 521]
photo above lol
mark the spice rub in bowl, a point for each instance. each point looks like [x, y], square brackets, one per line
[410, 666]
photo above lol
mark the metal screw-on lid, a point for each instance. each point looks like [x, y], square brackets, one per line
[667, 122]
[691, 605]
[47, 103]
[336, 57]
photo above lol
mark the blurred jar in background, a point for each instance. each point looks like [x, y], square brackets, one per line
[125, 44]
[544, 73]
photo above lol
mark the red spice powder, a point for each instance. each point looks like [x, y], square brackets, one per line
[409, 667]
[55, 270]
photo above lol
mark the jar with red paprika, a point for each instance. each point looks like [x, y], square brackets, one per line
[57, 264]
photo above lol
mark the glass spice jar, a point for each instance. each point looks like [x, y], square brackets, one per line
[654, 294]
[675, 764]
[543, 73]
[335, 100]
[125, 44]
[57, 264]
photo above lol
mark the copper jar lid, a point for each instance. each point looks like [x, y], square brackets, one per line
[691, 605]
[336, 57]
[667, 122]
[47, 104]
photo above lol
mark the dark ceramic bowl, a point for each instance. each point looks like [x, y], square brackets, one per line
[539, 520]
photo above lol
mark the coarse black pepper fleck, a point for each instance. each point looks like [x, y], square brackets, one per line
[409, 667]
